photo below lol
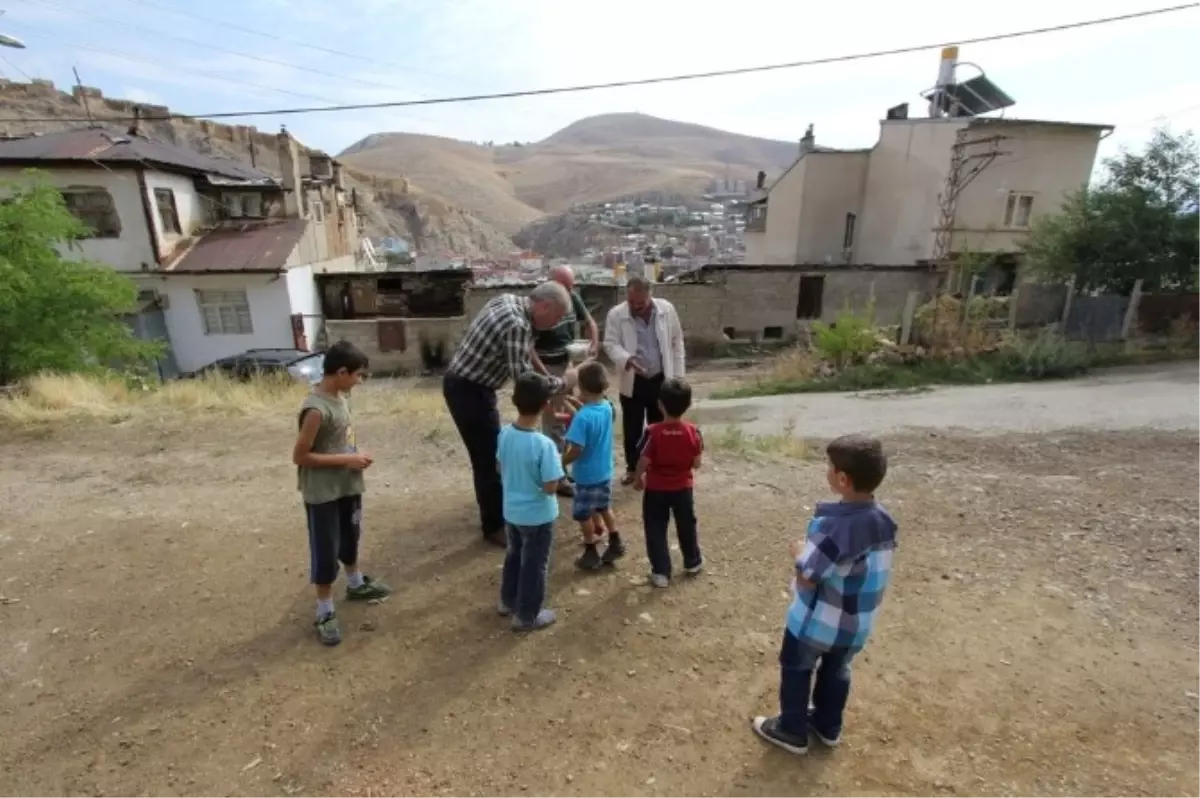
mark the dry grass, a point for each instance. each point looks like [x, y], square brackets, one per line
[782, 445]
[56, 398]
[798, 363]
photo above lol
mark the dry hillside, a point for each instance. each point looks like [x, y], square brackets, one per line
[595, 159]
[390, 203]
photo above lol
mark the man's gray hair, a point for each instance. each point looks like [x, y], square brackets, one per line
[551, 291]
[638, 283]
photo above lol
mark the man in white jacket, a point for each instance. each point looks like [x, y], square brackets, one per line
[644, 340]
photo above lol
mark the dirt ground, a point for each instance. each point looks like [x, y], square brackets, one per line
[1040, 637]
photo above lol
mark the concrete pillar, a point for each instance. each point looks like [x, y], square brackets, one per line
[1066, 311]
[906, 320]
[289, 166]
[1131, 312]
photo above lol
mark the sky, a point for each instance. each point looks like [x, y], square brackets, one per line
[241, 55]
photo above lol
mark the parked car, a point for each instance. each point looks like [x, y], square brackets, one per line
[301, 366]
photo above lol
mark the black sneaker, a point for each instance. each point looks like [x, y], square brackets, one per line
[768, 729]
[829, 740]
[590, 560]
[614, 551]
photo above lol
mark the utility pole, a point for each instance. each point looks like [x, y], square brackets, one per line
[968, 158]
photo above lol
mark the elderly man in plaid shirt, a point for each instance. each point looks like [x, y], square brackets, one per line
[496, 348]
[841, 572]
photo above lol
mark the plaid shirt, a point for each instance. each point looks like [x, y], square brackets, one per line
[848, 555]
[497, 344]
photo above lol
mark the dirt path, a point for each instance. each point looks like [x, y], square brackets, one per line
[1159, 397]
[1040, 637]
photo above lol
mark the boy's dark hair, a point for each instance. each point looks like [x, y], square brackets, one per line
[344, 355]
[531, 391]
[860, 458]
[593, 377]
[676, 397]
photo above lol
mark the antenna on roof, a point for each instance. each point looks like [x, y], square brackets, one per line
[950, 99]
[87, 110]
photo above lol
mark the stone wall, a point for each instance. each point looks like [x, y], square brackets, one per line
[420, 344]
[889, 288]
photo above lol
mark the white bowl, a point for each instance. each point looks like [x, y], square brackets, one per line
[578, 351]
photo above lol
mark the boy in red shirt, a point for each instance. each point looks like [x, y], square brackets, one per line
[671, 451]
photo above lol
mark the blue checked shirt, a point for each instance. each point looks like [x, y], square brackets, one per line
[848, 556]
[497, 345]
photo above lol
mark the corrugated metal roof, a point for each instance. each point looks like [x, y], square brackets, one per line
[112, 147]
[248, 246]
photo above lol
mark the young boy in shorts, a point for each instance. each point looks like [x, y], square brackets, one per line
[671, 451]
[330, 475]
[589, 447]
[530, 472]
[840, 573]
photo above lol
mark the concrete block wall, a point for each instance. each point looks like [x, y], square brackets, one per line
[421, 336]
[890, 289]
[758, 302]
[701, 309]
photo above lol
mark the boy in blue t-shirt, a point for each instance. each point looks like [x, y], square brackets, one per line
[589, 447]
[530, 471]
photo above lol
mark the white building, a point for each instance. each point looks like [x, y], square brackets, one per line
[223, 254]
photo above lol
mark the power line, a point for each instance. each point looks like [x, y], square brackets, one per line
[215, 47]
[658, 80]
[288, 40]
[160, 65]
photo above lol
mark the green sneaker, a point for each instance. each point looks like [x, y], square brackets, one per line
[328, 631]
[370, 590]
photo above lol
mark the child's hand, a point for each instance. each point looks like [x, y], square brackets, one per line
[359, 461]
[796, 548]
[639, 483]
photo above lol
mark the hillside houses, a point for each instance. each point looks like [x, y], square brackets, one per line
[224, 255]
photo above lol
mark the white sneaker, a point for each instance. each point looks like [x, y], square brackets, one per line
[695, 569]
[658, 580]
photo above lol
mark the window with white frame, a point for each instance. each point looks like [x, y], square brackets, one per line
[224, 312]
[1018, 210]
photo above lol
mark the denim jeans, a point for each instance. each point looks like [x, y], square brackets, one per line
[523, 585]
[828, 695]
[657, 508]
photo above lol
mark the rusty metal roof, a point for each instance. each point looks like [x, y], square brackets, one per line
[261, 245]
[108, 147]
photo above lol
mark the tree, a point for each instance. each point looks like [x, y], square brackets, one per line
[57, 314]
[1138, 222]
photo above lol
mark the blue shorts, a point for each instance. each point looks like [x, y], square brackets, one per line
[591, 499]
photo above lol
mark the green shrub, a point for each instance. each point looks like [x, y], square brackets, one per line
[849, 340]
[1048, 356]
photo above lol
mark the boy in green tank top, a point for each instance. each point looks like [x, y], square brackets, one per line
[330, 475]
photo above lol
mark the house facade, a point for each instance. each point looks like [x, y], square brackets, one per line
[224, 255]
[884, 205]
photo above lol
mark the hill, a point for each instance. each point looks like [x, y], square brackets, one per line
[596, 159]
[391, 204]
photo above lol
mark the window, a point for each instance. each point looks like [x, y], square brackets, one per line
[1018, 210]
[812, 291]
[95, 208]
[224, 312]
[848, 236]
[168, 214]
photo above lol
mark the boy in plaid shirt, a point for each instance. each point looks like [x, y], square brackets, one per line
[840, 573]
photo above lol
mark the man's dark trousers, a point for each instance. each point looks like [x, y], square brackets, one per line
[477, 417]
[636, 412]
